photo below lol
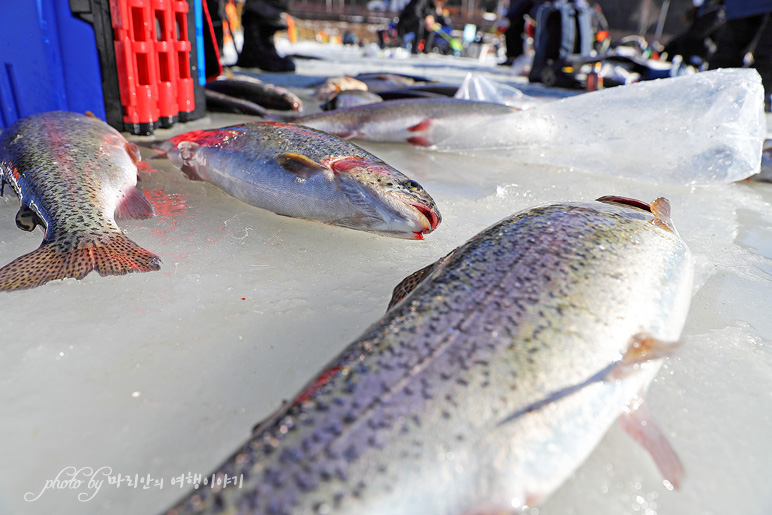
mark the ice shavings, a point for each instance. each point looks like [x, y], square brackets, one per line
[698, 129]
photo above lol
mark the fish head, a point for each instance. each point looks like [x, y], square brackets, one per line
[397, 205]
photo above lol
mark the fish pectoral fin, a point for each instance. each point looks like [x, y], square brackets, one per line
[421, 126]
[133, 151]
[409, 283]
[26, 219]
[638, 423]
[420, 140]
[300, 165]
[642, 348]
[134, 205]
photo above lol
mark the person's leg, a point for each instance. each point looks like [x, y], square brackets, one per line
[763, 60]
[732, 42]
[261, 21]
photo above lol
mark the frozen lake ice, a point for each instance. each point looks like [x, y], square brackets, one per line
[165, 373]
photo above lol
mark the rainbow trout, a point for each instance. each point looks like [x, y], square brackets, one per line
[418, 121]
[73, 174]
[299, 172]
[489, 383]
[254, 90]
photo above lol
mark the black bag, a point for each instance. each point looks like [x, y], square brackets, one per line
[564, 33]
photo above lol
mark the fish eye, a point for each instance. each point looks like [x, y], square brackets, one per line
[413, 185]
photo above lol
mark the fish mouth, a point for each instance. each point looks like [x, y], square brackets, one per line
[432, 217]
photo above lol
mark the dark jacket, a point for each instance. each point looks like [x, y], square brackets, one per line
[744, 8]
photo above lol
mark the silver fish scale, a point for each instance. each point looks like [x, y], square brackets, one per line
[540, 302]
[73, 166]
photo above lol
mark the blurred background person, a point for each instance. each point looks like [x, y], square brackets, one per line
[418, 19]
[513, 26]
[261, 19]
[746, 40]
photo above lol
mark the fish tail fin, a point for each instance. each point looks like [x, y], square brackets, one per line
[116, 256]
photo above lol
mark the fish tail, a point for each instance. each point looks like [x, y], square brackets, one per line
[117, 255]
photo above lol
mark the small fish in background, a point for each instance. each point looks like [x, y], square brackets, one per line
[413, 92]
[333, 85]
[386, 81]
[418, 121]
[490, 382]
[254, 90]
[304, 173]
[350, 98]
[220, 102]
[74, 175]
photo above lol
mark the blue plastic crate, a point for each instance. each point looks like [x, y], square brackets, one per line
[48, 61]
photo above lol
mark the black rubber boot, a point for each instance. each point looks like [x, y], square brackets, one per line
[259, 50]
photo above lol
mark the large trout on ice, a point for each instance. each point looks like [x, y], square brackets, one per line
[304, 173]
[74, 174]
[489, 383]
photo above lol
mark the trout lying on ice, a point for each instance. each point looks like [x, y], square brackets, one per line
[300, 172]
[252, 89]
[490, 382]
[418, 121]
[73, 174]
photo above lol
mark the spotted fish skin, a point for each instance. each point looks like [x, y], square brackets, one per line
[73, 174]
[304, 173]
[487, 385]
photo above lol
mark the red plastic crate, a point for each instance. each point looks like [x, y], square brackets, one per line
[152, 54]
[185, 85]
[165, 30]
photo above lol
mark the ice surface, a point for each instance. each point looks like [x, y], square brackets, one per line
[697, 129]
[166, 373]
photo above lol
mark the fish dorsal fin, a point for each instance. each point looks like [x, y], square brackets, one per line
[26, 219]
[133, 205]
[409, 283]
[300, 165]
[625, 201]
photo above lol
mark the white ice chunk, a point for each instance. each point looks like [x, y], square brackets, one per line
[697, 129]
